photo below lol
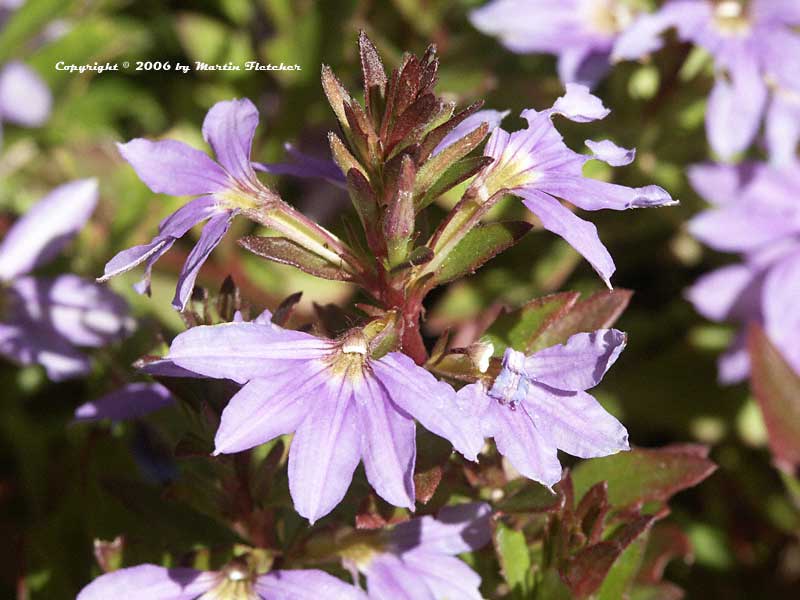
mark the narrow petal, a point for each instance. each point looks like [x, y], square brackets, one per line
[172, 167]
[302, 584]
[149, 582]
[517, 438]
[388, 578]
[717, 183]
[783, 129]
[325, 451]
[591, 194]
[732, 292]
[445, 576]
[610, 153]
[432, 402]
[733, 365]
[735, 109]
[267, 408]
[583, 64]
[229, 128]
[243, 351]
[212, 235]
[83, 312]
[388, 447]
[580, 363]
[781, 317]
[468, 125]
[741, 227]
[575, 422]
[39, 235]
[24, 98]
[131, 401]
[456, 529]
[305, 166]
[579, 234]
[579, 105]
[30, 344]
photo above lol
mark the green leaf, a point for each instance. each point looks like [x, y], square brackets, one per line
[460, 171]
[777, 389]
[515, 560]
[526, 496]
[519, 328]
[644, 475]
[599, 311]
[481, 244]
[621, 576]
[435, 167]
[24, 24]
[551, 587]
[287, 252]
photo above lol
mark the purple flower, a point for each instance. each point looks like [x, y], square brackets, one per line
[416, 559]
[24, 98]
[535, 164]
[150, 582]
[226, 187]
[538, 405]
[342, 405]
[581, 33]
[42, 319]
[756, 53]
[755, 214]
[131, 401]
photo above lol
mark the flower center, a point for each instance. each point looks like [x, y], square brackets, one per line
[608, 17]
[350, 355]
[236, 583]
[730, 17]
[512, 385]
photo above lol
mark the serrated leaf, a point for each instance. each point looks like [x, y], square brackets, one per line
[287, 252]
[777, 389]
[526, 496]
[519, 328]
[620, 577]
[481, 244]
[515, 560]
[644, 475]
[460, 171]
[599, 311]
[432, 140]
[433, 169]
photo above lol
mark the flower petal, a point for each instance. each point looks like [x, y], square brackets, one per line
[579, 234]
[718, 183]
[531, 452]
[445, 576]
[471, 123]
[388, 578]
[84, 313]
[781, 317]
[211, 236]
[608, 152]
[580, 363]
[432, 402]
[172, 167]
[732, 292]
[741, 227]
[575, 422]
[325, 451]
[456, 529]
[24, 98]
[39, 235]
[149, 582]
[229, 128]
[305, 584]
[591, 194]
[388, 445]
[783, 129]
[267, 408]
[583, 64]
[131, 401]
[733, 365]
[243, 351]
[306, 166]
[579, 105]
[31, 344]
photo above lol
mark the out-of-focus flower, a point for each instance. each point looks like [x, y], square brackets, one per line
[416, 559]
[128, 402]
[756, 55]
[538, 405]
[42, 319]
[581, 33]
[756, 214]
[24, 98]
[342, 405]
[236, 582]
[537, 165]
[226, 187]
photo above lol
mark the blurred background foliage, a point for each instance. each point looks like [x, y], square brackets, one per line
[63, 486]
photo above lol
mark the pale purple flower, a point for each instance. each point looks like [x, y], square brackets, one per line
[536, 165]
[416, 560]
[491, 117]
[43, 319]
[151, 582]
[225, 186]
[539, 405]
[756, 54]
[24, 98]
[342, 405]
[581, 33]
[756, 214]
[131, 401]
[305, 166]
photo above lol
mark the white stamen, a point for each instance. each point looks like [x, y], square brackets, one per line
[729, 9]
